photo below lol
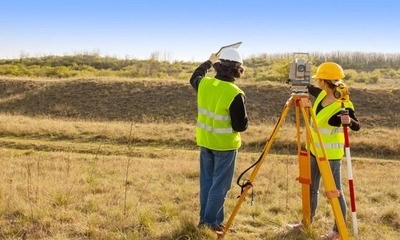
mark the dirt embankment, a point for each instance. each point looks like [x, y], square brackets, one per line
[166, 101]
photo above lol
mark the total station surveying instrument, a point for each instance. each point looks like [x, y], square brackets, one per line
[299, 79]
[299, 75]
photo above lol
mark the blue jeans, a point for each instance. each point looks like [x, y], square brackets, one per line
[315, 183]
[216, 173]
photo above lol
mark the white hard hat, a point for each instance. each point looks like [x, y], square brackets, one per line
[231, 54]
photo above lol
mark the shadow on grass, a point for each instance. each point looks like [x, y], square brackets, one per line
[189, 231]
[289, 235]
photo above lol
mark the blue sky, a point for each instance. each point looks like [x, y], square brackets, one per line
[190, 30]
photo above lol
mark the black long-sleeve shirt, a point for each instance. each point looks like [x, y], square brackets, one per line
[237, 109]
[335, 119]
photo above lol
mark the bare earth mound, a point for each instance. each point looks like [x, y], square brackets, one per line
[166, 101]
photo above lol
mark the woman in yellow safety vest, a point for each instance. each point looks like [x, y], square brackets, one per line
[327, 110]
[221, 115]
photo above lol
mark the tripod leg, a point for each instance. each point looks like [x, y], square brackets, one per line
[304, 171]
[305, 180]
[257, 167]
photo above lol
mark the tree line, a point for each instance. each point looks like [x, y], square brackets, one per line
[359, 66]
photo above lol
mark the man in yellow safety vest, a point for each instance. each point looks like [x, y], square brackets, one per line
[221, 115]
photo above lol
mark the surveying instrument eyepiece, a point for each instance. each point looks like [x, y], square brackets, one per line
[299, 74]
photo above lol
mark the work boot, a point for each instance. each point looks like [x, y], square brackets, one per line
[219, 229]
[332, 235]
[298, 225]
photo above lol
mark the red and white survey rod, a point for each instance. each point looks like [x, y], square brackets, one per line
[350, 174]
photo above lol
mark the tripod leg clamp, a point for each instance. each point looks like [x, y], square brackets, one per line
[332, 194]
[322, 159]
[304, 180]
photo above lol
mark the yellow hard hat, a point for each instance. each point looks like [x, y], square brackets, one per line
[329, 71]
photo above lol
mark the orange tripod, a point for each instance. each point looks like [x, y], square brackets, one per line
[302, 104]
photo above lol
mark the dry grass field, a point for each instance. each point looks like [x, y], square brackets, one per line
[116, 159]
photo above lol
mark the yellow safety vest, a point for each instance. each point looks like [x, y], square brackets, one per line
[332, 137]
[214, 128]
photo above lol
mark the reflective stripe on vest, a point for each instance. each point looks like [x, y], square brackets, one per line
[330, 131]
[213, 115]
[214, 128]
[330, 145]
[332, 137]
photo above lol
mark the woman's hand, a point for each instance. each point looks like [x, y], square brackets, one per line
[213, 58]
[345, 119]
